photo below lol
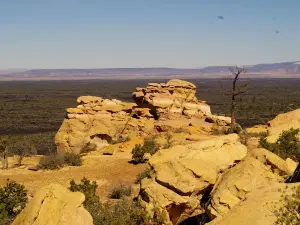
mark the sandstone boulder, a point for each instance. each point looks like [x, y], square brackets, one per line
[260, 168]
[280, 123]
[171, 100]
[184, 174]
[257, 208]
[55, 205]
[159, 108]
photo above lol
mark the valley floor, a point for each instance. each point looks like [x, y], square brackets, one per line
[106, 170]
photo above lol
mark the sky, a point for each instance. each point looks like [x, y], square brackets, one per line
[147, 33]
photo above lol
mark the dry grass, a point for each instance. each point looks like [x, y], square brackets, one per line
[108, 171]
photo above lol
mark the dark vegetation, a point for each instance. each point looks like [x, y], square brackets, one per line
[138, 152]
[120, 191]
[124, 211]
[57, 161]
[37, 108]
[13, 198]
[286, 146]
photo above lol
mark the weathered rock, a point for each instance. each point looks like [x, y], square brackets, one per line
[55, 205]
[158, 108]
[257, 208]
[280, 123]
[259, 168]
[185, 173]
[171, 100]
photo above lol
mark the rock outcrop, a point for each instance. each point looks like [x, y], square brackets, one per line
[171, 100]
[158, 108]
[184, 175]
[55, 205]
[280, 123]
[257, 208]
[260, 168]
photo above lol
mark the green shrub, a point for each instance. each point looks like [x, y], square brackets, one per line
[120, 191]
[120, 140]
[289, 212]
[88, 188]
[57, 161]
[51, 162]
[13, 198]
[127, 212]
[3, 215]
[124, 211]
[72, 159]
[138, 154]
[144, 174]
[286, 146]
[88, 147]
[237, 129]
[150, 146]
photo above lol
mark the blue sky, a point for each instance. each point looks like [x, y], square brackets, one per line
[147, 33]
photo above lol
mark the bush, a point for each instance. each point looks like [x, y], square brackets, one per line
[289, 213]
[286, 146]
[122, 212]
[237, 129]
[3, 215]
[126, 212]
[51, 162]
[120, 140]
[88, 188]
[88, 147]
[150, 146]
[72, 159]
[13, 198]
[144, 174]
[120, 191]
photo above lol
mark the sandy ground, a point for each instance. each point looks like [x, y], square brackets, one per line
[106, 170]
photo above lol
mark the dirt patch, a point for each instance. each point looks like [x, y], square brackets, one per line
[106, 170]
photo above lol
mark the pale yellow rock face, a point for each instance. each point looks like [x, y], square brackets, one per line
[184, 173]
[55, 205]
[174, 97]
[159, 108]
[283, 122]
[280, 123]
[258, 206]
[259, 168]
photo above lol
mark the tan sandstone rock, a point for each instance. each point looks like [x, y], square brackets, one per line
[257, 208]
[280, 123]
[168, 107]
[185, 173]
[260, 168]
[55, 205]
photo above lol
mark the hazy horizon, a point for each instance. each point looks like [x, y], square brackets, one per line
[134, 34]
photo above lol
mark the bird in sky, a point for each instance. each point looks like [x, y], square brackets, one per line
[277, 31]
[221, 17]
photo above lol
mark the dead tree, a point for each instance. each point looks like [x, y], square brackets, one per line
[296, 176]
[4, 153]
[236, 71]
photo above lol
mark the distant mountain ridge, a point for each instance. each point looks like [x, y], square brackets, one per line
[283, 68]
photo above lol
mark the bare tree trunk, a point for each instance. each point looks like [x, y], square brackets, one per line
[296, 176]
[233, 101]
[21, 157]
[4, 160]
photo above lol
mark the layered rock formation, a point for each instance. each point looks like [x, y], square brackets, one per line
[280, 123]
[55, 205]
[171, 100]
[260, 168]
[258, 206]
[158, 108]
[184, 175]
